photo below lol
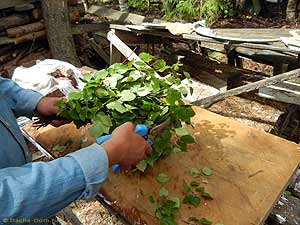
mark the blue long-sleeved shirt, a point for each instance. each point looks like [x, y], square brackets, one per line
[39, 190]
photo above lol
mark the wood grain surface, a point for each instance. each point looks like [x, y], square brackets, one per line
[250, 170]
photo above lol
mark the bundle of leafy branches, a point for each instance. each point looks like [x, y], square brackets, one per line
[134, 92]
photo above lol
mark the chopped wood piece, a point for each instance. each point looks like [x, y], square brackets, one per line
[13, 21]
[6, 58]
[11, 3]
[74, 14]
[30, 37]
[25, 29]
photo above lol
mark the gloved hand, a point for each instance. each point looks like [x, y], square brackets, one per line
[126, 145]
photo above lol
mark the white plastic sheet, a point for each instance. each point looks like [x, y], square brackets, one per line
[38, 77]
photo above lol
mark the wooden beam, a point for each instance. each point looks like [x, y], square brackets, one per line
[206, 102]
[284, 92]
[118, 16]
[99, 51]
[121, 46]
[86, 28]
[11, 3]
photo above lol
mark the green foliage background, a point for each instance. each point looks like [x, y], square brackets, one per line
[184, 10]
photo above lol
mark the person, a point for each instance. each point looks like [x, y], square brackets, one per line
[30, 191]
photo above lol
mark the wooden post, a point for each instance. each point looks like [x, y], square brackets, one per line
[59, 33]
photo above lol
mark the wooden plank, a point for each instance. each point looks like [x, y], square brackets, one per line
[265, 47]
[100, 51]
[86, 28]
[251, 168]
[254, 32]
[284, 92]
[11, 3]
[267, 56]
[206, 102]
[118, 16]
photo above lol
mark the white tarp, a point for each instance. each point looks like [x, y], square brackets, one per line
[38, 77]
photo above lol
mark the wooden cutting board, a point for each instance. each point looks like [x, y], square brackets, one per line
[251, 168]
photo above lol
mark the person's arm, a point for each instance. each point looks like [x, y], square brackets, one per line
[40, 190]
[22, 101]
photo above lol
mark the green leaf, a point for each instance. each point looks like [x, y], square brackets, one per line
[188, 139]
[202, 221]
[141, 166]
[151, 199]
[98, 129]
[206, 171]
[101, 117]
[181, 131]
[173, 96]
[200, 189]
[74, 95]
[100, 92]
[135, 75]
[87, 77]
[160, 65]
[163, 192]
[194, 172]
[193, 219]
[287, 193]
[176, 150]
[146, 57]
[127, 96]
[143, 91]
[59, 148]
[206, 195]
[120, 68]
[176, 201]
[130, 107]
[187, 74]
[162, 178]
[167, 221]
[186, 188]
[116, 105]
[205, 221]
[164, 111]
[100, 75]
[192, 200]
[195, 183]
[110, 82]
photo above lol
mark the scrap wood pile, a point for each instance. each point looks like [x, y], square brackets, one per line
[21, 30]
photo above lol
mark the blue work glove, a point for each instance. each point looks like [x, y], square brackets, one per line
[140, 129]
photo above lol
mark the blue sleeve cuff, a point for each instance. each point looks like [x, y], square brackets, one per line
[93, 161]
[32, 99]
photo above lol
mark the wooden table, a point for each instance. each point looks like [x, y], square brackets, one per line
[251, 168]
[275, 54]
